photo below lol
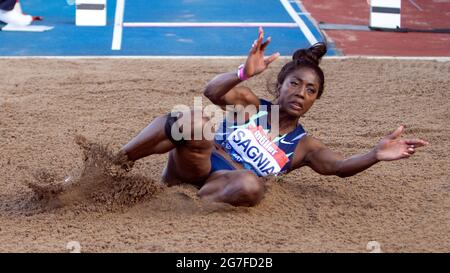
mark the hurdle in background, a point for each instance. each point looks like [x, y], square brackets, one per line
[90, 13]
[385, 14]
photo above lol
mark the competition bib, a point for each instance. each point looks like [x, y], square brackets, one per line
[253, 148]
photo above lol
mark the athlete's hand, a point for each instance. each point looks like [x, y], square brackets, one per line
[256, 63]
[392, 147]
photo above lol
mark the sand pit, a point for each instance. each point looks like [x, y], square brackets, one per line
[45, 105]
[102, 183]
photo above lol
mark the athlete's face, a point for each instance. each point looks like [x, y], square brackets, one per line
[299, 91]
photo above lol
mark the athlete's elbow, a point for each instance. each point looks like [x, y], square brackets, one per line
[338, 173]
[343, 174]
[342, 170]
[209, 92]
[338, 169]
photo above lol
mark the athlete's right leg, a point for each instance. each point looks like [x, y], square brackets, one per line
[151, 140]
[189, 151]
[190, 161]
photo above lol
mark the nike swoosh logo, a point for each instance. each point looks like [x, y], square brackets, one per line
[286, 142]
[276, 139]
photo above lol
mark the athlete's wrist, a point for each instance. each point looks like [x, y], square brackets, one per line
[373, 155]
[241, 73]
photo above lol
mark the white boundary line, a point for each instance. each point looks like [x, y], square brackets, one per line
[306, 31]
[118, 25]
[209, 24]
[428, 58]
[416, 5]
[322, 32]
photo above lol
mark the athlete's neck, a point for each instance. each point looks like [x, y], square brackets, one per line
[286, 122]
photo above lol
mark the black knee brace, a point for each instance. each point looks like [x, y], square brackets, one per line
[172, 118]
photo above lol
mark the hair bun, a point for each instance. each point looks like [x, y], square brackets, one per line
[313, 54]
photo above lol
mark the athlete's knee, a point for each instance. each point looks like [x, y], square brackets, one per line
[250, 189]
[193, 126]
[198, 122]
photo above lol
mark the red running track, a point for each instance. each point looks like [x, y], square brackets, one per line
[429, 14]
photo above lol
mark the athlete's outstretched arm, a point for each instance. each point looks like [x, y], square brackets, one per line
[325, 161]
[222, 90]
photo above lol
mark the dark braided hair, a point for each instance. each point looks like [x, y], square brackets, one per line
[309, 58]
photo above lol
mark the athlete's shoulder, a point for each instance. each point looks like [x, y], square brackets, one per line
[264, 102]
[304, 146]
[310, 143]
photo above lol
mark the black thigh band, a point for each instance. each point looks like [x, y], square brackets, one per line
[172, 118]
[7, 4]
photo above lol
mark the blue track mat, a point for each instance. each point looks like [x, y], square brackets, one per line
[66, 39]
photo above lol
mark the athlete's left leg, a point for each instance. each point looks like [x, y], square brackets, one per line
[236, 187]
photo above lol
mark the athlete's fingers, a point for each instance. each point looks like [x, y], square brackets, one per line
[396, 133]
[272, 58]
[405, 155]
[266, 43]
[260, 37]
[253, 49]
[416, 142]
